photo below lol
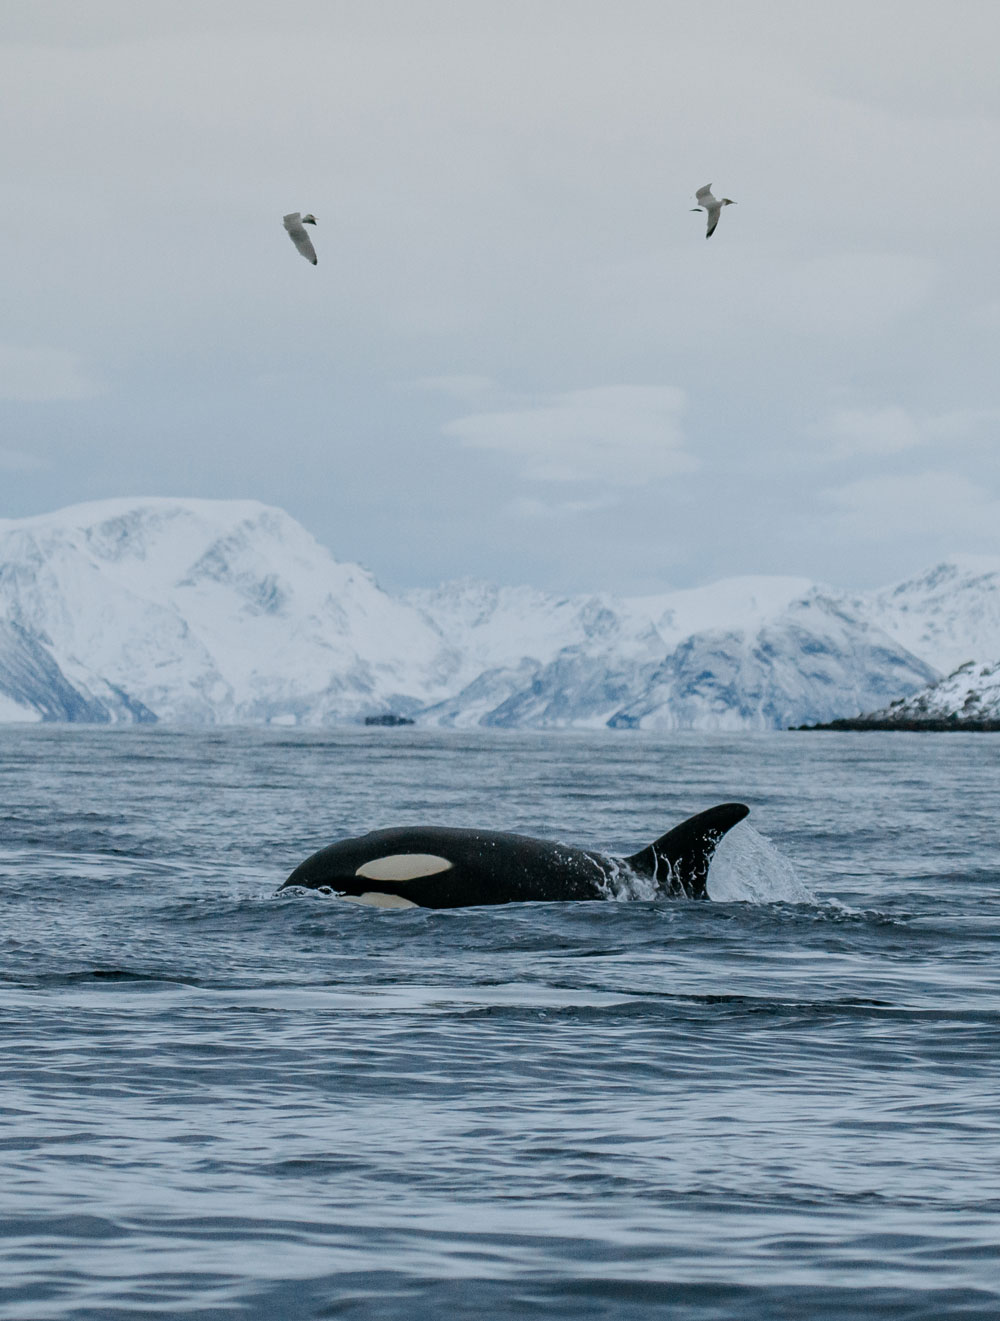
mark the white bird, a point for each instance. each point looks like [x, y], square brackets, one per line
[712, 206]
[293, 223]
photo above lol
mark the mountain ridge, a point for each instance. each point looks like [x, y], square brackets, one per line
[216, 611]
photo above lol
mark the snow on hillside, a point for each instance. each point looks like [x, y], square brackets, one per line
[742, 604]
[970, 694]
[495, 626]
[229, 611]
[489, 626]
[538, 660]
[208, 611]
[948, 615]
[814, 655]
[809, 653]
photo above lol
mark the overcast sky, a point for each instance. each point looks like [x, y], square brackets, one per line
[518, 357]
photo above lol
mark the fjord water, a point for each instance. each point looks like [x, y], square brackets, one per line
[221, 1103]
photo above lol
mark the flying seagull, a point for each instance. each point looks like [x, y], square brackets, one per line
[712, 205]
[293, 223]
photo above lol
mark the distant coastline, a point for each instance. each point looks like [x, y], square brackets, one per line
[939, 726]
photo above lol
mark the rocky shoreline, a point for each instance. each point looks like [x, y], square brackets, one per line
[949, 725]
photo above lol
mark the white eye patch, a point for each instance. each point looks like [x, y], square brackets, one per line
[403, 867]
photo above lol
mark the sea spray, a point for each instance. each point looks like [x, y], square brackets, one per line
[748, 868]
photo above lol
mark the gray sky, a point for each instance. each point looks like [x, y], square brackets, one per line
[518, 357]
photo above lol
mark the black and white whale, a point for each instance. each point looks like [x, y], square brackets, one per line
[442, 867]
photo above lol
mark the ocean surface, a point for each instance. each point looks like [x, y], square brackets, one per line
[221, 1103]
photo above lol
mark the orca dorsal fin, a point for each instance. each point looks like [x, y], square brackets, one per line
[679, 860]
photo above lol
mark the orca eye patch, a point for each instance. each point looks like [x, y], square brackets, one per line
[403, 867]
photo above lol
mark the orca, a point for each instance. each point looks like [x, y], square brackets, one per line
[445, 867]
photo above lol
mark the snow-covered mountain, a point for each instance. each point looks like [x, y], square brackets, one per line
[229, 611]
[200, 611]
[948, 615]
[748, 653]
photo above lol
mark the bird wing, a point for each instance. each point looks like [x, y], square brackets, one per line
[298, 235]
[704, 196]
[714, 211]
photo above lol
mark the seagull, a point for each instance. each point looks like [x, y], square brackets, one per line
[293, 223]
[712, 205]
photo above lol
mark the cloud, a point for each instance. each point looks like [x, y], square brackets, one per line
[456, 387]
[19, 461]
[960, 423]
[870, 431]
[928, 503]
[848, 293]
[34, 375]
[622, 435]
[545, 510]
[891, 430]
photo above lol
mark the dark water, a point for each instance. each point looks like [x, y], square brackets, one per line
[217, 1103]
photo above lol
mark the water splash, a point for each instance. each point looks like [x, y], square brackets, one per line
[621, 883]
[747, 868]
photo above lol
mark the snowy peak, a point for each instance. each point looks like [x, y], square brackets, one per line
[744, 602]
[167, 535]
[211, 611]
[493, 625]
[947, 615]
